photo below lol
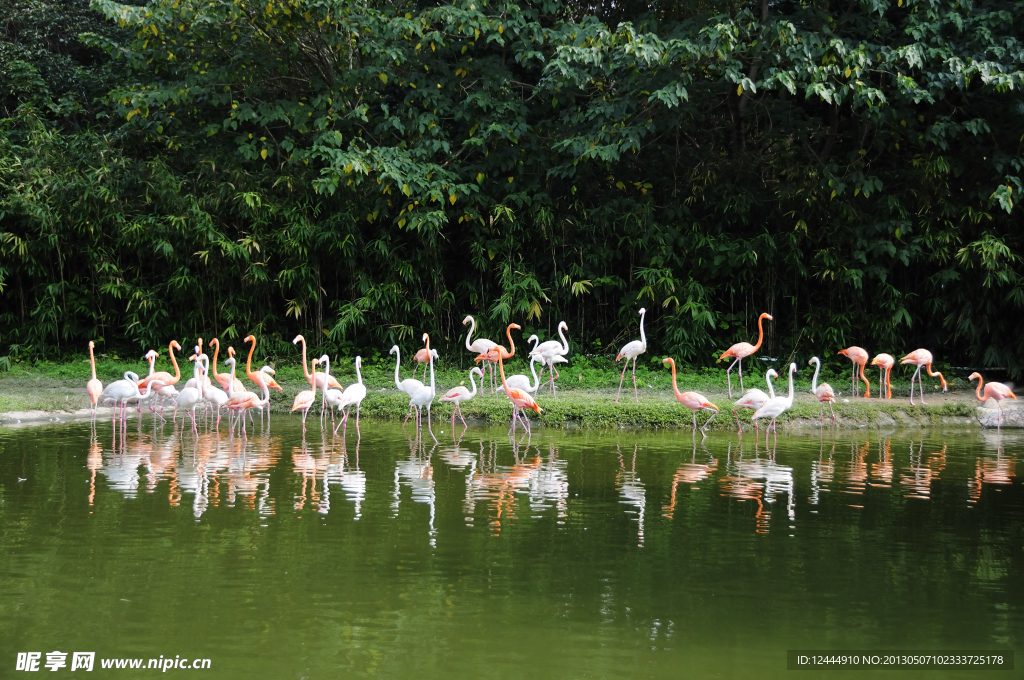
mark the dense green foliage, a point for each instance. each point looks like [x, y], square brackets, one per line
[360, 171]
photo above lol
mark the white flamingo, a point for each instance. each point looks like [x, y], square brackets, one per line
[631, 351]
[120, 391]
[755, 398]
[457, 395]
[551, 349]
[354, 395]
[421, 397]
[190, 397]
[777, 406]
[409, 385]
[480, 346]
[522, 382]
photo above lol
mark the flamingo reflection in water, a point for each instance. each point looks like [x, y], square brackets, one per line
[417, 473]
[344, 472]
[998, 471]
[498, 485]
[759, 480]
[881, 472]
[631, 491]
[922, 471]
[691, 474]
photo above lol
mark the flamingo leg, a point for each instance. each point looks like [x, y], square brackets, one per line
[694, 413]
[459, 406]
[635, 394]
[912, 386]
[621, 379]
[740, 360]
[832, 411]
[728, 375]
[707, 422]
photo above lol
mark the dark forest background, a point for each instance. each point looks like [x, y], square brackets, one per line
[362, 171]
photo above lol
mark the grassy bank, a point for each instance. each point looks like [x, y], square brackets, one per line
[585, 397]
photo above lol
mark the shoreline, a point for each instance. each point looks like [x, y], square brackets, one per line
[595, 409]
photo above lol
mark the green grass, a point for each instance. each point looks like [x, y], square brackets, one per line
[585, 396]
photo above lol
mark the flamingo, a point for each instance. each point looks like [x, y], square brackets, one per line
[995, 391]
[422, 357]
[331, 395]
[94, 387]
[354, 394]
[120, 391]
[193, 382]
[211, 393]
[551, 349]
[776, 407]
[755, 398]
[694, 401]
[459, 394]
[331, 382]
[248, 400]
[823, 392]
[631, 351]
[743, 349]
[192, 396]
[505, 354]
[479, 346]
[304, 399]
[260, 376]
[520, 400]
[163, 376]
[921, 358]
[409, 385]
[859, 357]
[522, 382]
[885, 362]
[224, 378]
[424, 396]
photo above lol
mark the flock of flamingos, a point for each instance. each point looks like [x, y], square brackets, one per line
[212, 389]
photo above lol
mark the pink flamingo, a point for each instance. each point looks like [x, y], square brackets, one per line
[995, 391]
[755, 398]
[457, 395]
[823, 392]
[743, 349]
[422, 357]
[632, 350]
[163, 376]
[859, 357]
[304, 399]
[921, 358]
[94, 387]
[479, 346]
[691, 400]
[520, 400]
[885, 362]
[259, 377]
[224, 379]
[329, 382]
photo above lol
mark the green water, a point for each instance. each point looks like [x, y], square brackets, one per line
[573, 555]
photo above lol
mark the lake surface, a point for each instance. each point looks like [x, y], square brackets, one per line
[587, 554]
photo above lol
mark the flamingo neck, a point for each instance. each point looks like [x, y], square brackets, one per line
[536, 380]
[398, 362]
[672, 365]
[928, 367]
[789, 397]
[814, 380]
[501, 369]
[152, 364]
[305, 371]
[430, 358]
[92, 360]
[472, 327]
[359, 375]
[565, 342]
[314, 381]
[760, 332]
[512, 345]
[978, 391]
[771, 388]
[473, 383]
[248, 362]
[231, 385]
[174, 362]
[216, 353]
[643, 340]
